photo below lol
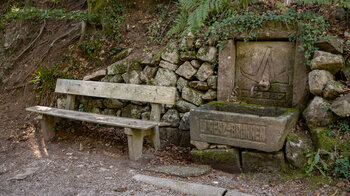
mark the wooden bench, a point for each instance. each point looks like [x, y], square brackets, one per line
[135, 129]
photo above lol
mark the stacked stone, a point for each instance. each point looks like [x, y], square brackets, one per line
[327, 105]
[189, 66]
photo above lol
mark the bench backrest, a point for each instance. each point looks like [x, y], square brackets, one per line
[132, 92]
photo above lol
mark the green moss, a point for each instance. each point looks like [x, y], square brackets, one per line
[317, 180]
[121, 55]
[96, 7]
[321, 139]
[135, 66]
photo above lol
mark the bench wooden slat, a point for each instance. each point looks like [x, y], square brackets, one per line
[97, 118]
[142, 93]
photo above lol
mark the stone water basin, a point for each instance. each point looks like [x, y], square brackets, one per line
[245, 126]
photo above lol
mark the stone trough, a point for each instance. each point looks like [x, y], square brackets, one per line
[245, 126]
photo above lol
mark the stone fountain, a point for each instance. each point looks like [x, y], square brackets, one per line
[270, 77]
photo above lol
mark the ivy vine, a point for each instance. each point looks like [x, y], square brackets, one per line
[221, 19]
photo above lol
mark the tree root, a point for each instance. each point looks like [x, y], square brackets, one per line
[54, 41]
[76, 26]
[31, 44]
[83, 32]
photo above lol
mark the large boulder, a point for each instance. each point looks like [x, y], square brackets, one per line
[200, 145]
[188, 41]
[297, 146]
[192, 96]
[333, 45]
[173, 135]
[188, 55]
[168, 65]
[346, 69]
[186, 70]
[172, 117]
[132, 77]
[151, 59]
[148, 73]
[171, 54]
[123, 54]
[327, 61]
[132, 111]
[199, 85]
[113, 78]
[207, 54]
[205, 71]
[97, 75]
[318, 114]
[181, 83]
[333, 89]
[318, 80]
[195, 63]
[341, 106]
[119, 67]
[165, 77]
[113, 103]
[184, 106]
[185, 122]
[210, 95]
[212, 82]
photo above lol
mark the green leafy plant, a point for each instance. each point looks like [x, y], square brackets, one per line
[45, 78]
[92, 47]
[338, 3]
[32, 13]
[155, 30]
[342, 168]
[315, 161]
[113, 18]
[342, 125]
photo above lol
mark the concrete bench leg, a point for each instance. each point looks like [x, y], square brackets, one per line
[48, 126]
[135, 143]
[155, 138]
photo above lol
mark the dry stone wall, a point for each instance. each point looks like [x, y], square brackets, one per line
[190, 66]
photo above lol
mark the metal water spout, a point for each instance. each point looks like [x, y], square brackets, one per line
[263, 85]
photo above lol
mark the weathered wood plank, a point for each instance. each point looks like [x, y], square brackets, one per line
[70, 102]
[97, 118]
[142, 93]
[135, 143]
[155, 116]
[48, 126]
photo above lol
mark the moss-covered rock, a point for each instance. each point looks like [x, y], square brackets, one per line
[151, 59]
[119, 67]
[262, 161]
[132, 111]
[223, 159]
[121, 55]
[297, 145]
[323, 140]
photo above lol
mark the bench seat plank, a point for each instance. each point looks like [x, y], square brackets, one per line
[97, 118]
[134, 92]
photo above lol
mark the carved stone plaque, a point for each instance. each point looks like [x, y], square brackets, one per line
[246, 126]
[264, 72]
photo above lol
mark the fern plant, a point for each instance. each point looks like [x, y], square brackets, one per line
[195, 13]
